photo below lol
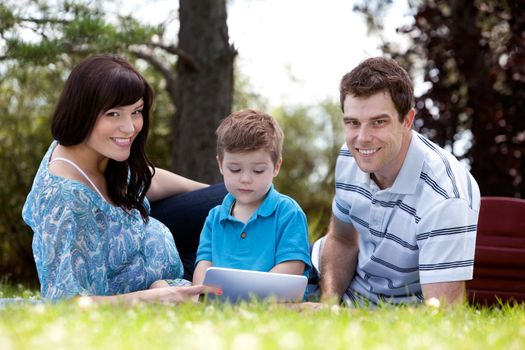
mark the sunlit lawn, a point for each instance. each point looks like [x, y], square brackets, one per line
[81, 325]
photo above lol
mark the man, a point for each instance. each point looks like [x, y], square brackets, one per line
[405, 211]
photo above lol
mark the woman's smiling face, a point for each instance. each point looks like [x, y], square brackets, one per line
[115, 130]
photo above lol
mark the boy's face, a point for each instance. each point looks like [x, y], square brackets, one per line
[248, 175]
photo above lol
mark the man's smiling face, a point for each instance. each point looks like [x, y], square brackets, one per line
[375, 136]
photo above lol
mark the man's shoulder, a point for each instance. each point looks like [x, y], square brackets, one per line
[444, 175]
[436, 157]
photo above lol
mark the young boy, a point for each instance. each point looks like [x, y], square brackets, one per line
[255, 228]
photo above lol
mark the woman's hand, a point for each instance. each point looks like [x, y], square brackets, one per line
[177, 295]
[169, 295]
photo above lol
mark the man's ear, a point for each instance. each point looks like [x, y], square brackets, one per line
[409, 118]
[219, 162]
[277, 167]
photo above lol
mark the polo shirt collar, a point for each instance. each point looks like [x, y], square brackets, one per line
[408, 177]
[226, 206]
[364, 178]
[267, 207]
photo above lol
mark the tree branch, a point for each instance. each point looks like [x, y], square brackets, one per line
[183, 55]
[160, 66]
[43, 20]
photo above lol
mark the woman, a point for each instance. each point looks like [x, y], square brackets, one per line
[88, 206]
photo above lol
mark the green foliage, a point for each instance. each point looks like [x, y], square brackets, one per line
[159, 138]
[18, 291]
[313, 136]
[81, 325]
[7, 18]
[26, 97]
[75, 28]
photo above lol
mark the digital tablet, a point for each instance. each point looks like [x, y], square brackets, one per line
[240, 285]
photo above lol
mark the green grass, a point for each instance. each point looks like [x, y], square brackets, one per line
[73, 325]
[17, 291]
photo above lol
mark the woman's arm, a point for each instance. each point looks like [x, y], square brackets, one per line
[165, 184]
[171, 295]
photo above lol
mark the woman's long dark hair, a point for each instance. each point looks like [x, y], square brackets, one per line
[95, 85]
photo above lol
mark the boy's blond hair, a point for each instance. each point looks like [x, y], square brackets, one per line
[250, 130]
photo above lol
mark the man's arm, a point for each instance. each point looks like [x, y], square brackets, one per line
[441, 277]
[448, 293]
[338, 259]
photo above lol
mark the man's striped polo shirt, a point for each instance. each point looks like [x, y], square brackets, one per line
[421, 230]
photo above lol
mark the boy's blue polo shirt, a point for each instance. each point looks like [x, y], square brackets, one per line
[276, 232]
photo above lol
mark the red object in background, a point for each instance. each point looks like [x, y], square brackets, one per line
[499, 263]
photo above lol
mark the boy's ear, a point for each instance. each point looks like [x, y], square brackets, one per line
[277, 167]
[219, 163]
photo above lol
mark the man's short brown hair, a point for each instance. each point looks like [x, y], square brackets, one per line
[250, 130]
[379, 74]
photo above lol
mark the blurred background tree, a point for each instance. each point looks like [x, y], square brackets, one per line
[471, 55]
[313, 137]
[24, 136]
[196, 67]
[40, 43]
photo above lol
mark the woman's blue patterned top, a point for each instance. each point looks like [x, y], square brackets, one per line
[85, 246]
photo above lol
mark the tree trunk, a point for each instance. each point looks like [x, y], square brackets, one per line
[204, 87]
